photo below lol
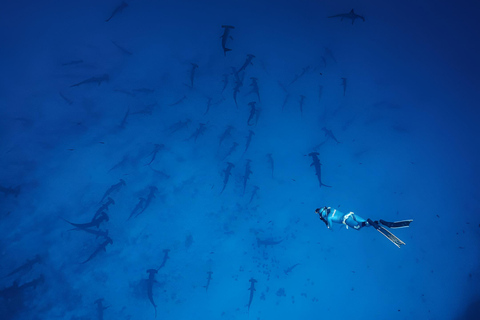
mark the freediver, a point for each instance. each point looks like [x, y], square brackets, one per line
[330, 216]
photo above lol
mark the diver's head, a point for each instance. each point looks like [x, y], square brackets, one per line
[322, 216]
[320, 211]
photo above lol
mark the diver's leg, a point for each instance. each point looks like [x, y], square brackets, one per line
[352, 223]
[358, 218]
[362, 222]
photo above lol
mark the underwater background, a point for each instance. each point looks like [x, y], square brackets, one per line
[188, 169]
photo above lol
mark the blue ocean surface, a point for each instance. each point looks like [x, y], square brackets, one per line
[164, 159]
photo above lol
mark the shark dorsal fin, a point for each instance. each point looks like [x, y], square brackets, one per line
[351, 11]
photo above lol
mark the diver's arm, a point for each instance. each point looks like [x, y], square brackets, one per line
[329, 225]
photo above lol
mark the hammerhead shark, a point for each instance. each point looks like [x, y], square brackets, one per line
[104, 207]
[149, 199]
[97, 80]
[113, 188]
[289, 269]
[101, 247]
[138, 208]
[302, 101]
[13, 191]
[254, 193]
[150, 282]
[209, 104]
[225, 81]
[318, 167]
[238, 85]
[285, 101]
[329, 134]
[147, 110]
[123, 124]
[34, 283]
[298, 76]
[227, 172]
[227, 133]
[157, 148]
[247, 62]
[344, 85]
[73, 62]
[165, 258]
[252, 290]
[97, 233]
[192, 74]
[270, 162]
[122, 49]
[126, 92]
[96, 221]
[268, 242]
[254, 86]
[248, 172]
[252, 114]
[249, 140]
[198, 132]
[329, 53]
[179, 101]
[209, 278]
[351, 15]
[68, 101]
[178, 126]
[14, 294]
[144, 90]
[100, 308]
[231, 150]
[225, 36]
[27, 266]
[118, 9]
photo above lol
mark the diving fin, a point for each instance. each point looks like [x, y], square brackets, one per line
[390, 236]
[396, 224]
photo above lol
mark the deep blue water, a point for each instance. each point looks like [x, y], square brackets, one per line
[143, 98]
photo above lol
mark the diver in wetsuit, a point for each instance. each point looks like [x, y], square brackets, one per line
[330, 216]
